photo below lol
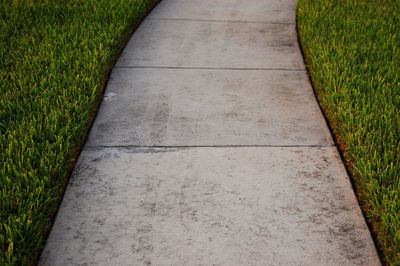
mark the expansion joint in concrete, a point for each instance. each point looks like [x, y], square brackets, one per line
[215, 68]
[225, 21]
[208, 146]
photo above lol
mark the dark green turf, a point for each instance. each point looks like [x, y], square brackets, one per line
[55, 56]
[352, 51]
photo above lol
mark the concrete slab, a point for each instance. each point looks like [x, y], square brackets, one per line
[217, 74]
[267, 11]
[198, 107]
[209, 206]
[202, 44]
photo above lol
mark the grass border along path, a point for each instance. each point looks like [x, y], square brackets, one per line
[352, 52]
[55, 56]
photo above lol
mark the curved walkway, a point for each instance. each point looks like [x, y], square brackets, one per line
[210, 149]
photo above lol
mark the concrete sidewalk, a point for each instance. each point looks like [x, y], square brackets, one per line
[210, 149]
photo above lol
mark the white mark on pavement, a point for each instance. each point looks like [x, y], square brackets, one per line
[111, 96]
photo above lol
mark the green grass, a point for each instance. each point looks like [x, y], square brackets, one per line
[55, 56]
[352, 51]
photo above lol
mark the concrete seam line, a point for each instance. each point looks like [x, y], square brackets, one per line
[225, 21]
[211, 146]
[214, 68]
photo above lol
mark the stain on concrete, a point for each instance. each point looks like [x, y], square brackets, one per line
[199, 206]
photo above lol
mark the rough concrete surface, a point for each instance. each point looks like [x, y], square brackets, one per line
[188, 107]
[210, 149]
[235, 11]
[186, 43]
[207, 206]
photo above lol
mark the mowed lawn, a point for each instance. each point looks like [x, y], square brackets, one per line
[352, 51]
[55, 56]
